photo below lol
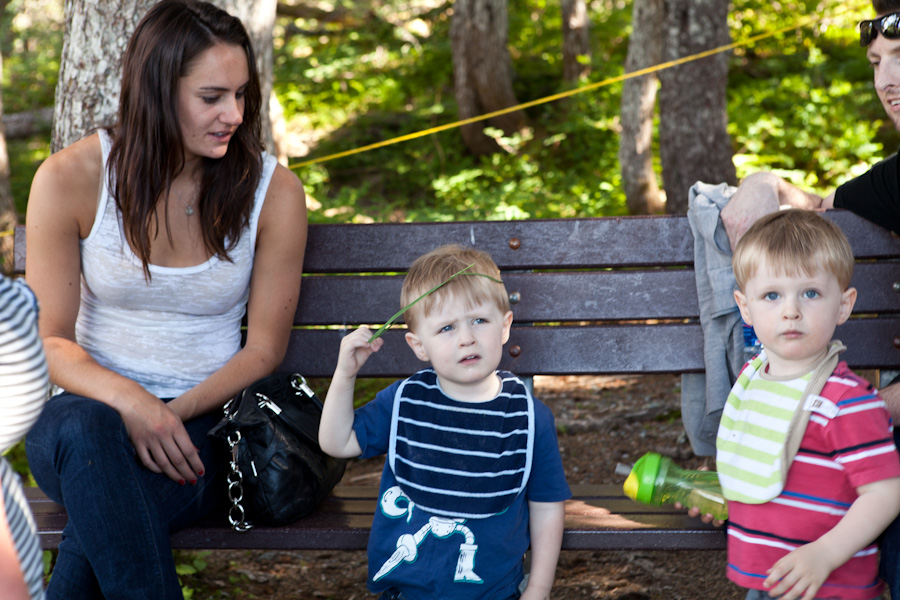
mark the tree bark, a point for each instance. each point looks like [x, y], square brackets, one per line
[694, 141]
[482, 70]
[642, 194]
[576, 39]
[87, 95]
[8, 216]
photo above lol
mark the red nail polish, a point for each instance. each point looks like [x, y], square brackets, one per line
[193, 482]
[181, 482]
[200, 473]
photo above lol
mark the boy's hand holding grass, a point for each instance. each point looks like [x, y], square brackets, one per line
[356, 348]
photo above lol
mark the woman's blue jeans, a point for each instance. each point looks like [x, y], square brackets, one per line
[116, 542]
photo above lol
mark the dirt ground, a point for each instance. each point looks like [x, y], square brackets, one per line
[601, 421]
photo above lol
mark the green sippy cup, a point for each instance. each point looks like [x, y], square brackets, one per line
[657, 481]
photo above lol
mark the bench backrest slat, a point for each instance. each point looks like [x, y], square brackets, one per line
[562, 296]
[583, 350]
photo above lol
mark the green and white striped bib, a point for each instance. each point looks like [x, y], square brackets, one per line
[753, 432]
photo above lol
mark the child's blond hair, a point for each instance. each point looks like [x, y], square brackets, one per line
[793, 241]
[437, 266]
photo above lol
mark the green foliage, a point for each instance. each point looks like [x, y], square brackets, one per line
[190, 565]
[30, 43]
[565, 165]
[802, 104]
[25, 156]
[19, 462]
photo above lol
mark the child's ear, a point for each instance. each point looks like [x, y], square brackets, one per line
[848, 299]
[416, 346]
[741, 301]
[507, 324]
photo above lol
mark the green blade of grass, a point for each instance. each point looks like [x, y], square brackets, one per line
[400, 312]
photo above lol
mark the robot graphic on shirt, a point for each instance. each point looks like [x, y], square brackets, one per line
[395, 504]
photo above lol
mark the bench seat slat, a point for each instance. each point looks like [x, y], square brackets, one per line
[598, 517]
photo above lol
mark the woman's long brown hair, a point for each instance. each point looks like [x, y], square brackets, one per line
[148, 149]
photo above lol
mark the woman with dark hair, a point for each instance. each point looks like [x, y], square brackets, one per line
[147, 245]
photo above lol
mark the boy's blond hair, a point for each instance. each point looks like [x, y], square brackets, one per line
[794, 241]
[437, 266]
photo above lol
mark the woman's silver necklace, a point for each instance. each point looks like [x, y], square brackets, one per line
[188, 208]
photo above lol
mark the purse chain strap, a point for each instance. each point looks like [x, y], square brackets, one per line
[236, 515]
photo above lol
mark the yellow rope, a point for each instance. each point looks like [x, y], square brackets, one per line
[566, 94]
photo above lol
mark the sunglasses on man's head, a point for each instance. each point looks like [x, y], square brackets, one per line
[888, 26]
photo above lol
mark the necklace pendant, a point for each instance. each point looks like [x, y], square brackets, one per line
[189, 211]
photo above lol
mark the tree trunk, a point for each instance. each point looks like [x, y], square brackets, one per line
[87, 95]
[8, 216]
[576, 39]
[694, 142]
[482, 70]
[642, 194]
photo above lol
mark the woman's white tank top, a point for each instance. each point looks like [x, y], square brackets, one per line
[171, 332]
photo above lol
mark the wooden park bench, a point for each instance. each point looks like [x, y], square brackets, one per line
[590, 296]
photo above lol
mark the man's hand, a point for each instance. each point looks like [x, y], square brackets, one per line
[756, 197]
[760, 194]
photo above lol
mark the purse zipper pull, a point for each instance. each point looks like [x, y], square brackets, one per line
[298, 382]
[264, 402]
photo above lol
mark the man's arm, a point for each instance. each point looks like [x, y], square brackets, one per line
[891, 397]
[762, 193]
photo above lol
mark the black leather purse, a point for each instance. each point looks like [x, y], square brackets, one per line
[278, 473]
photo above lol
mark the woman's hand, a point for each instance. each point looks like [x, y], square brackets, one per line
[160, 439]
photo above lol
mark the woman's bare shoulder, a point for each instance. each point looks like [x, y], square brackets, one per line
[285, 194]
[80, 161]
[285, 182]
[68, 182]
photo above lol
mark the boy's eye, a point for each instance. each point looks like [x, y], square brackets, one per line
[771, 296]
[479, 320]
[810, 294]
[445, 328]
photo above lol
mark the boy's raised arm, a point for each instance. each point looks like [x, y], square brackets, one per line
[804, 570]
[336, 435]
